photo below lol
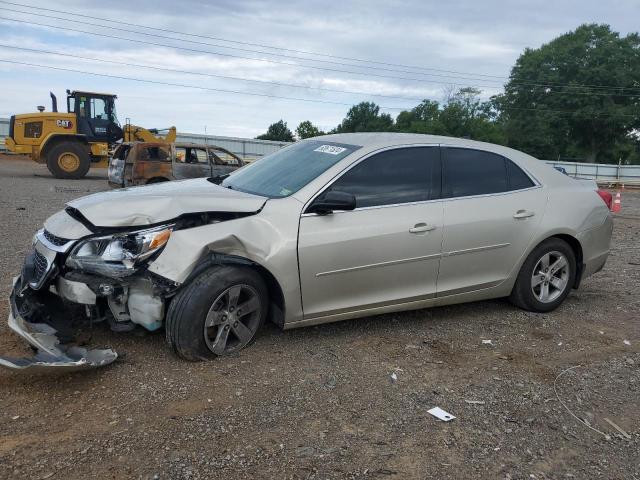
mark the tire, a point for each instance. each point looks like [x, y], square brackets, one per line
[207, 299]
[68, 160]
[529, 290]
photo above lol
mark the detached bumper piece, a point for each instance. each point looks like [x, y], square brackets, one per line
[51, 354]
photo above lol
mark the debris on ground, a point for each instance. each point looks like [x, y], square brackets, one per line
[328, 387]
[440, 414]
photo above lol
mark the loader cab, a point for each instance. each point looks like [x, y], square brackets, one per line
[95, 115]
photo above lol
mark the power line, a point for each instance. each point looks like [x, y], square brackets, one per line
[226, 77]
[261, 45]
[237, 92]
[183, 85]
[146, 34]
[208, 52]
[544, 85]
[262, 82]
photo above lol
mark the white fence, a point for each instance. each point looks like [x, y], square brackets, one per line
[601, 172]
[246, 148]
[251, 149]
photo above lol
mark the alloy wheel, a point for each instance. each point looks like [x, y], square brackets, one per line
[233, 319]
[550, 276]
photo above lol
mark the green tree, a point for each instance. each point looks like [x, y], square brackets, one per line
[307, 129]
[575, 96]
[423, 118]
[365, 117]
[277, 131]
[466, 116]
[463, 115]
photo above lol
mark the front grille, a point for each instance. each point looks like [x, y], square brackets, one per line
[55, 240]
[41, 266]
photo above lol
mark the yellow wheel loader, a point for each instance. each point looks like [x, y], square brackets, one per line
[70, 143]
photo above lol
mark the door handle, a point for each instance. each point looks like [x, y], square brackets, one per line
[523, 214]
[421, 228]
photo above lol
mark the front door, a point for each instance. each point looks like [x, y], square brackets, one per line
[191, 162]
[93, 118]
[490, 217]
[384, 252]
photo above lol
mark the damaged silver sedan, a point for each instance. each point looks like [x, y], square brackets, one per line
[327, 229]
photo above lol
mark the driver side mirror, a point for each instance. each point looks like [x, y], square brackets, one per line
[331, 201]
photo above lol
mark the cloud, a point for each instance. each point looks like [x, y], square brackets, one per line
[462, 36]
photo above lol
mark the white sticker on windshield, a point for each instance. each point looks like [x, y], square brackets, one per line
[330, 149]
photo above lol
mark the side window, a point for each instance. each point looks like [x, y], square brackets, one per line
[181, 154]
[473, 172]
[83, 107]
[395, 176]
[517, 178]
[98, 109]
[196, 155]
[220, 157]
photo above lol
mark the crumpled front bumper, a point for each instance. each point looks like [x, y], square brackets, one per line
[51, 354]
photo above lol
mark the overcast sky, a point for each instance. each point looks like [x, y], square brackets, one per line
[479, 39]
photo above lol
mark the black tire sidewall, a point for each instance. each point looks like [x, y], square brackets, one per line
[78, 149]
[523, 284]
[189, 308]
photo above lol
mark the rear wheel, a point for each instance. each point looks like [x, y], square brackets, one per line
[218, 313]
[546, 277]
[68, 160]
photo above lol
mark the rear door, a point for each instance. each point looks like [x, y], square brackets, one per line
[490, 217]
[191, 162]
[384, 252]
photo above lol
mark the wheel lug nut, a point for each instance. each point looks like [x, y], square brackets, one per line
[235, 324]
[226, 327]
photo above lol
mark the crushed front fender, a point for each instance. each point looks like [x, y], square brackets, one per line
[50, 354]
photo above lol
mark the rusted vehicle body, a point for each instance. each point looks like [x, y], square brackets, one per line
[142, 163]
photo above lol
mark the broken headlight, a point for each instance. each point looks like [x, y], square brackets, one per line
[117, 255]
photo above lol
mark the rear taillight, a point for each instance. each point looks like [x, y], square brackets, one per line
[606, 197]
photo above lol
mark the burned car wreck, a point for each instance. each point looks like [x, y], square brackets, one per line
[326, 229]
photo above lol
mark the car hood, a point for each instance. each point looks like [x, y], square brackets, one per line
[162, 202]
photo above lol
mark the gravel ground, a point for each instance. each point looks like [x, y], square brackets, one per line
[320, 402]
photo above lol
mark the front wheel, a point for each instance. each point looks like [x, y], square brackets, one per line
[68, 160]
[546, 277]
[218, 313]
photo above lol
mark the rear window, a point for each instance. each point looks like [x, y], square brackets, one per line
[517, 178]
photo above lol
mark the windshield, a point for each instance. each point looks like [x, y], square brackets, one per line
[288, 170]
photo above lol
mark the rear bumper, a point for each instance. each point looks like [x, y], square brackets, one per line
[50, 353]
[595, 244]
